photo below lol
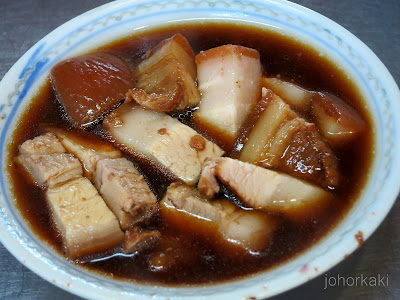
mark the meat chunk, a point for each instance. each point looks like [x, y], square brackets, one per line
[269, 114]
[185, 208]
[219, 221]
[89, 86]
[298, 150]
[42, 144]
[125, 191]
[250, 229]
[89, 152]
[229, 82]
[281, 140]
[294, 95]
[338, 121]
[137, 240]
[160, 138]
[167, 101]
[208, 183]
[167, 74]
[269, 190]
[86, 225]
[45, 160]
[49, 170]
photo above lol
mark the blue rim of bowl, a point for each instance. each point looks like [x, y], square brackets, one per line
[39, 63]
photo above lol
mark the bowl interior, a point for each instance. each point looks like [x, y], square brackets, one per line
[122, 18]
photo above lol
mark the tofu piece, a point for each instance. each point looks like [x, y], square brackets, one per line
[42, 144]
[137, 240]
[161, 138]
[86, 224]
[49, 170]
[219, 221]
[168, 67]
[44, 158]
[88, 151]
[294, 95]
[125, 191]
[261, 188]
[229, 82]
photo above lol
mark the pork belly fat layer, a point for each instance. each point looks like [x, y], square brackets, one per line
[294, 95]
[177, 45]
[43, 144]
[161, 138]
[168, 74]
[270, 113]
[229, 82]
[49, 170]
[265, 189]
[166, 101]
[339, 122]
[251, 230]
[45, 160]
[219, 221]
[125, 191]
[88, 153]
[86, 224]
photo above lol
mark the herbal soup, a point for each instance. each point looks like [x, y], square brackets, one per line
[190, 154]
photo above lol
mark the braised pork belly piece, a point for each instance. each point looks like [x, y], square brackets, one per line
[261, 188]
[87, 152]
[138, 240]
[167, 101]
[89, 86]
[166, 78]
[121, 185]
[229, 82]
[125, 191]
[339, 122]
[51, 169]
[47, 163]
[282, 140]
[299, 150]
[86, 224]
[161, 138]
[43, 144]
[220, 221]
[294, 95]
[269, 113]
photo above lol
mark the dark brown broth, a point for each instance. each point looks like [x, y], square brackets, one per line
[200, 262]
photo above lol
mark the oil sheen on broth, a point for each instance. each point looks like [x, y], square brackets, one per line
[198, 260]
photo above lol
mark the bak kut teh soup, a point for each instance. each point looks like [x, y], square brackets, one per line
[190, 154]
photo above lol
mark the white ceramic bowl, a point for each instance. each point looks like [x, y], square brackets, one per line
[122, 18]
